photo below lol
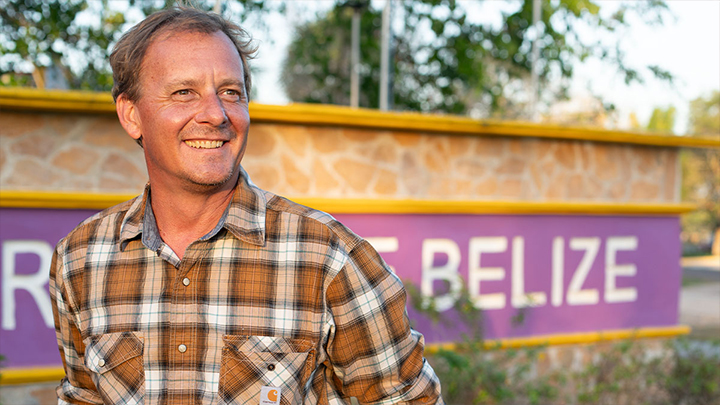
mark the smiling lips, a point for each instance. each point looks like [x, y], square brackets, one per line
[204, 144]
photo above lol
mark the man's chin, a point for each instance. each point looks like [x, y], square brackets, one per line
[209, 183]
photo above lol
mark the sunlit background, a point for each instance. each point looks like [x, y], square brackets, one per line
[686, 44]
[605, 48]
[649, 67]
[645, 66]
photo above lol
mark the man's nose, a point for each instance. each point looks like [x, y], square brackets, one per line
[212, 111]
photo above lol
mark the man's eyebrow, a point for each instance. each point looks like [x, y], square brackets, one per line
[175, 84]
[232, 82]
[182, 83]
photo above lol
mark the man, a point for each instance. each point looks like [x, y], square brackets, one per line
[206, 289]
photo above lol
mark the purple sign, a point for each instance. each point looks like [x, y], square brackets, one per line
[27, 240]
[528, 274]
[535, 274]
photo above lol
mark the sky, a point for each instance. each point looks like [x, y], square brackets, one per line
[687, 45]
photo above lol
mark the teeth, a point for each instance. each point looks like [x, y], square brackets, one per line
[204, 144]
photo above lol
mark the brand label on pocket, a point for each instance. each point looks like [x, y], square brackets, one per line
[269, 396]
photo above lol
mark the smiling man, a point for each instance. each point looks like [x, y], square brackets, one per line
[206, 289]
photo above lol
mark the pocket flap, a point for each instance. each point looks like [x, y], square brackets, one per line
[272, 344]
[105, 352]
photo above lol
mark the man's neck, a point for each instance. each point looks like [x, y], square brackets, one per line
[184, 216]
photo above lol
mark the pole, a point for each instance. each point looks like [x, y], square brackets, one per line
[534, 82]
[355, 61]
[385, 57]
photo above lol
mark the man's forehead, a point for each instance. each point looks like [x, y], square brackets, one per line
[183, 41]
[170, 35]
[173, 73]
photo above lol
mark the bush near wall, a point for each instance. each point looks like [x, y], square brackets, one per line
[629, 372]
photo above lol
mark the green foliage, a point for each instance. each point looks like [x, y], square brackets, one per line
[705, 115]
[683, 372]
[320, 71]
[38, 34]
[492, 377]
[701, 170]
[445, 60]
[75, 37]
[695, 377]
[662, 120]
[621, 375]
[470, 317]
[626, 373]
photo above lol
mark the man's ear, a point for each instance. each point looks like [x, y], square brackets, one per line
[128, 116]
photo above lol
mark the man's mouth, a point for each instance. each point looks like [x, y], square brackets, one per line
[204, 144]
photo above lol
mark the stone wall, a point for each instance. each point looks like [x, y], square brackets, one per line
[91, 153]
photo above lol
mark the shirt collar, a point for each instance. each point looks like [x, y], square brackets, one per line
[246, 214]
[244, 217]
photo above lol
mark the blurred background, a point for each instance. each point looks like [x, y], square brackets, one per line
[649, 65]
[643, 66]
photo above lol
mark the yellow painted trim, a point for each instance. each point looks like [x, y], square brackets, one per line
[41, 199]
[368, 206]
[46, 374]
[574, 338]
[48, 199]
[23, 98]
[11, 376]
[18, 98]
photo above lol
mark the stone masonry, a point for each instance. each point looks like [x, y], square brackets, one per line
[42, 151]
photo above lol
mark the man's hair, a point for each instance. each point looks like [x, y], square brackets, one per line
[127, 56]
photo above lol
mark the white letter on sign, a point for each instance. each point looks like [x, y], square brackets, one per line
[448, 272]
[519, 298]
[558, 268]
[32, 283]
[576, 295]
[613, 270]
[478, 246]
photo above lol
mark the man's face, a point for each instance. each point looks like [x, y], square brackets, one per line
[192, 112]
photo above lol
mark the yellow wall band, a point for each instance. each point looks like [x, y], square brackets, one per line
[18, 98]
[41, 199]
[45, 374]
[576, 338]
[10, 376]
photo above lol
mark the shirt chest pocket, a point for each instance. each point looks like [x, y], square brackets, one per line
[251, 362]
[115, 361]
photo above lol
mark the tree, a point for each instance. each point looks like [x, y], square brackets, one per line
[73, 38]
[701, 170]
[37, 35]
[662, 120]
[446, 61]
[320, 72]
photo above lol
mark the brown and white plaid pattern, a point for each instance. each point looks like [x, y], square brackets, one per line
[279, 295]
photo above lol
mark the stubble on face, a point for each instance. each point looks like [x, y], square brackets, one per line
[193, 94]
[199, 180]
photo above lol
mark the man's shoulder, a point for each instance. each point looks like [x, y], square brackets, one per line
[314, 217]
[107, 222]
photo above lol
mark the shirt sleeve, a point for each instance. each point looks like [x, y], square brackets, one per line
[375, 355]
[77, 387]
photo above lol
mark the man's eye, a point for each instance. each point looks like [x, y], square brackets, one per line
[182, 92]
[231, 92]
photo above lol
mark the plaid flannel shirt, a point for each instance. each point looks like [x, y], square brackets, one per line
[277, 295]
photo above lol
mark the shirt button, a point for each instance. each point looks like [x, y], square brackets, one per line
[186, 281]
[101, 363]
[271, 367]
[182, 348]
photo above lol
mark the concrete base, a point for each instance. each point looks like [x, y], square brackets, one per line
[28, 394]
